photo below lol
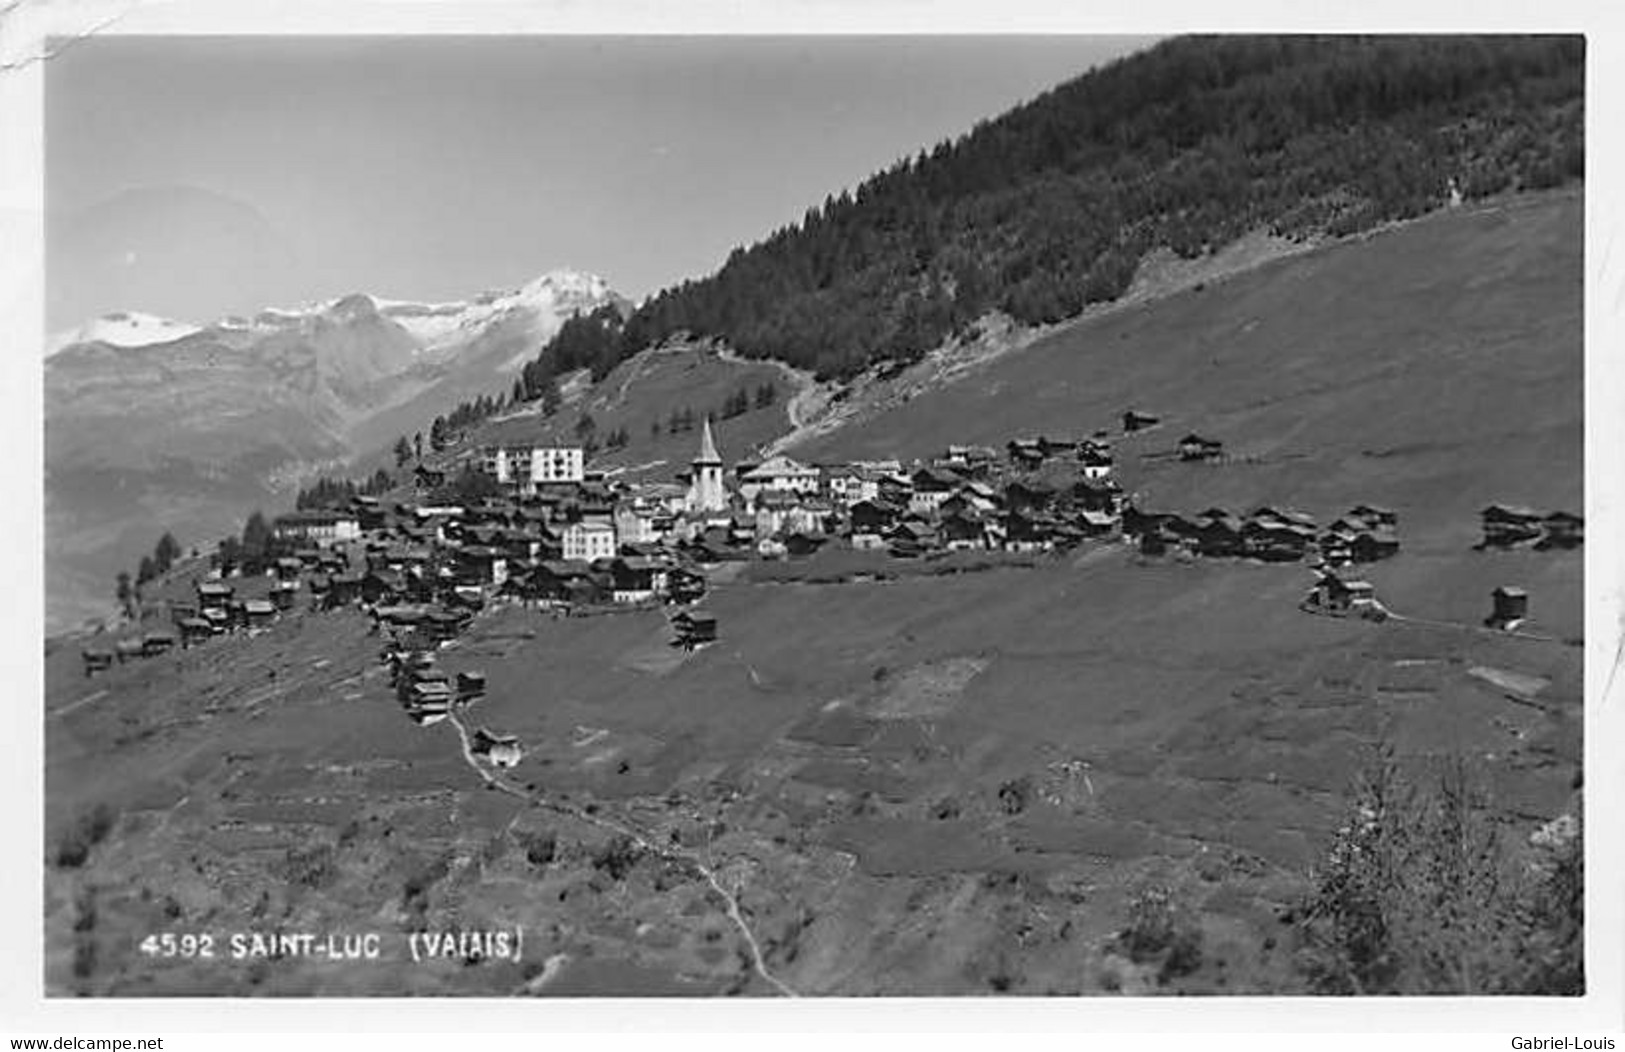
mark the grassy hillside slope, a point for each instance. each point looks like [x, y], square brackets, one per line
[1434, 367]
[645, 390]
[934, 785]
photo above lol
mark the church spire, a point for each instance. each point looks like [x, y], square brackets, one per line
[708, 448]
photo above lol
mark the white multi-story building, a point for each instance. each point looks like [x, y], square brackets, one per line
[589, 541]
[322, 528]
[779, 474]
[528, 466]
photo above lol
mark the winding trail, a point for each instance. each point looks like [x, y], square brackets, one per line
[799, 408]
[1480, 629]
[647, 843]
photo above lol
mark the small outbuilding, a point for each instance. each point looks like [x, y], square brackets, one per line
[1563, 530]
[97, 660]
[1195, 447]
[694, 630]
[1134, 420]
[502, 750]
[1511, 608]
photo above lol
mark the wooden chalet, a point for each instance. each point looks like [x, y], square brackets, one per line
[1095, 523]
[1028, 495]
[501, 750]
[256, 613]
[559, 580]
[194, 630]
[1510, 525]
[343, 589]
[869, 516]
[1563, 530]
[1273, 542]
[1333, 595]
[283, 595]
[694, 629]
[1369, 546]
[1374, 515]
[380, 586]
[1511, 607]
[1026, 453]
[637, 579]
[96, 660]
[1133, 421]
[962, 531]
[482, 564]
[911, 538]
[930, 487]
[470, 685]
[1218, 536]
[685, 586]
[803, 544]
[1024, 533]
[1155, 538]
[1096, 463]
[1196, 448]
[214, 595]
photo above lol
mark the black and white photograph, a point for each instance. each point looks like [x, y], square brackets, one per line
[1082, 516]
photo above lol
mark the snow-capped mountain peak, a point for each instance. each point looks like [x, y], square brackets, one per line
[123, 329]
[436, 328]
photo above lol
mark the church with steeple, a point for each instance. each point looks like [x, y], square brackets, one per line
[706, 494]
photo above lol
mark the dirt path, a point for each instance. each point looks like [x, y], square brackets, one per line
[72, 705]
[802, 406]
[646, 842]
[1481, 629]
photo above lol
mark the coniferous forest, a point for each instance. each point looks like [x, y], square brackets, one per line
[1052, 206]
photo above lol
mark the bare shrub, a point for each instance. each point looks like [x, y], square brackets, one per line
[1160, 930]
[88, 830]
[1421, 894]
[313, 867]
[616, 858]
[540, 848]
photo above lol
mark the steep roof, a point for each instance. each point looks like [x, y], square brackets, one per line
[708, 446]
[778, 465]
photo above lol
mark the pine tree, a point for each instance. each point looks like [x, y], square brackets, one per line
[126, 594]
[167, 552]
[403, 452]
[256, 541]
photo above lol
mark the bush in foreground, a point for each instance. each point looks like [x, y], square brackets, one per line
[1159, 931]
[88, 830]
[1422, 894]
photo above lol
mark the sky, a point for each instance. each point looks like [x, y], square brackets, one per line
[194, 176]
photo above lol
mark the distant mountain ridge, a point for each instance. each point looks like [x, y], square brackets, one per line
[145, 415]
